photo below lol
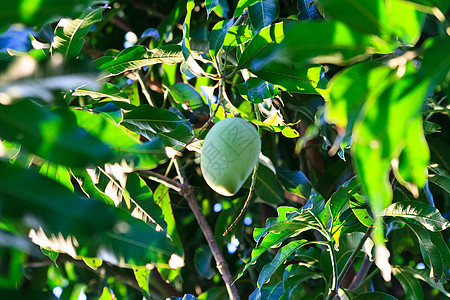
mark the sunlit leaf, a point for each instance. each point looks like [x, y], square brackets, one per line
[51, 134]
[111, 235]
[69, 34]
[262, 13]
[218, 35]
[107, 91]
[137, 57]
[423, 213]
[279, 259]
[152, 121]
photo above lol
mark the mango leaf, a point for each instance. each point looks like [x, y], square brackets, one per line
[142, 275]
[218, 34]
[53, 135]
[293, 276]
[64, 222]
[374, 296]
[126, 149]
[58, 173]
[350, 88]
[69, 34]
[184, 93]
[241, 6]
[88, 186]
[332, 42]
[431, 253]
[423, 275]
[152, 121]
[374, 17]
[361, 209]
[294, 79]
[141, 197]
[341, 198]
[413, 160]
[202, 262]
[262, 13]
[411, 286]
[443, 181]
[210, 5]
[138, 56]
[294, 181]
[348, 243]
[380, 134]
[108, 90]
[189, 66]
[427, 215]
[162, 198]
[309, 10]
[279, 259]
[237, 35]
[267, 186]
[31, 14]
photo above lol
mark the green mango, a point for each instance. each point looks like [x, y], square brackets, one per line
[229, 154]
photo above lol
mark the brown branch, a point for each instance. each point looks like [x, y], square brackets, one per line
[187, 192]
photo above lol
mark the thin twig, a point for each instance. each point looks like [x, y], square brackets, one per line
[353, 257]
[187, 192]
[362, 273]
[246, 204]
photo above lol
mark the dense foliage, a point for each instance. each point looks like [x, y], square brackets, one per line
[104, 106]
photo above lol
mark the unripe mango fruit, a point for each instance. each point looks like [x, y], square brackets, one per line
[229, 154]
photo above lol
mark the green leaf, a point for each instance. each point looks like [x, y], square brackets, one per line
[267, 186]
[341, 197]
[295, 182]
[107, 91]
[53, 135]
[425, 214]
[361, 210]
[443, 181]
[350, 88]
[421, 275]
[414, 158]
[33, 13]
[430, 252]
[186, 94]
[142, 275]
[241, 6]
[162, 198]
[348, 243]
[217, 37]
[279, 259]
[138, 56]
[332, 42]
[153, 121]
[256, 90]
[126, 149]
[375, 17]
[202, 262]
[374, 296]
[58, 173]
[430, 127]
[69, 34]
[50, 254]
[88, 186]
[411, 286]
[210, 5]
[294, 79]
[262, 13]
[78, 226]
[93, 263]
